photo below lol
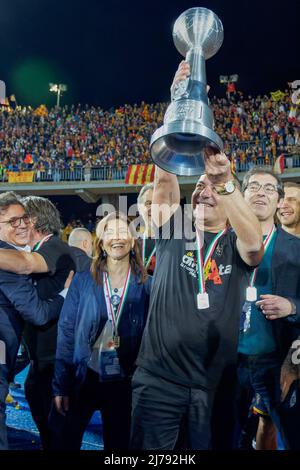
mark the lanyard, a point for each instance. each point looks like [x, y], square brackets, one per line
[42, 241]
[266, 244]
[116, 315]
[146, 264]
[202, 264]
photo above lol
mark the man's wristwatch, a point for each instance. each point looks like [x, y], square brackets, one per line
[225, 188]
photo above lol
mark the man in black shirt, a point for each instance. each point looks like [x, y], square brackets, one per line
[49, 263]
[147, 240]
[193, 324]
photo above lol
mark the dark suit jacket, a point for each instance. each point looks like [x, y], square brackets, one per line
[286, 283]
[81, 259]
[19, 302]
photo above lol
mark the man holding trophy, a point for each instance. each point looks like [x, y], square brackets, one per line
[201, 283]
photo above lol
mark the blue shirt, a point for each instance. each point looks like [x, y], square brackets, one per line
[259, 337]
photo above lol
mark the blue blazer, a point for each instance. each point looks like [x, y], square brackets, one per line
[82, 319]
[286, 283]
[19, 302]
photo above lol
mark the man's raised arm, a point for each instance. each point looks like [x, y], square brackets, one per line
[241, 218]
[21, 262]
[166, 196]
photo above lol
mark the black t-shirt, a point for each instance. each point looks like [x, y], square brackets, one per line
[150, 245]
[60, 262]
[181, 343]
[41, 341]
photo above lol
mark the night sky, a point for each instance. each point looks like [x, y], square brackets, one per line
[121, 51]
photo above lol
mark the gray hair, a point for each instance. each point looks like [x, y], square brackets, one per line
[46, 215]
[78, 235]
[144, 189]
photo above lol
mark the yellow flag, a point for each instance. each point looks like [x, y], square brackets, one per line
[277, 95]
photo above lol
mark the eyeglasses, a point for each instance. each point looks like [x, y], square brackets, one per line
[201, 186]
[15, 222]
[268, 188]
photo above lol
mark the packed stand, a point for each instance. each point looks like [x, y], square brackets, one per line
[72, 143]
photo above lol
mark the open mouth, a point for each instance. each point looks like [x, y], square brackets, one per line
[285, 214]
[205, 204]
[117, 245]
[23, 233]
[259, 203]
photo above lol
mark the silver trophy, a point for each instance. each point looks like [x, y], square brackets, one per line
[179, 145]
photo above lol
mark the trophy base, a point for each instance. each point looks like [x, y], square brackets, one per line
[180, 149]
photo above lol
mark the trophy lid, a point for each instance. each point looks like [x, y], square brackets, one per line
[198, 27]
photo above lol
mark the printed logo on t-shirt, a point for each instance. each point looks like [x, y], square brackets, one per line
[212, 272]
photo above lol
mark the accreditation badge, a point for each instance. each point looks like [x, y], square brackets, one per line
[110, 368]
[202, 301]
[251, 294]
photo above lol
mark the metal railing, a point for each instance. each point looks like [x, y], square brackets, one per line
[111, 173]
[105, 173]
[245, 145]
[290, 161]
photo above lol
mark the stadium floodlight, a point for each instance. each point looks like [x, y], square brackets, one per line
[233, 78]
[223, 78]
[57, 88]
[228, 79]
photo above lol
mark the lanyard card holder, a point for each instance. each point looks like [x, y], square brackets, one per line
[108, 363]
[245, 319]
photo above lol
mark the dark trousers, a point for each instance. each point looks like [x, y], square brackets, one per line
[223, 420]
[260, 376]
[38, 392]
[3, 395]
[113, 399]
[159, 408]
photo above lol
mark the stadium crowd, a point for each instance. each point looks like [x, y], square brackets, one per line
[82, 138]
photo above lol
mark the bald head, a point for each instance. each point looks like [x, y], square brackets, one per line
[81, 238]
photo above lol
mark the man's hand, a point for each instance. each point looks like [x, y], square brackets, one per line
[61, 404]
[69, 280]
[183, 72]
[274, 306]
[217, 167]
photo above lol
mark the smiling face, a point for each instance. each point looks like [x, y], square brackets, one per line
[18, 236]
[117, 240]
[289, 209]
[205, 204]
[262, 196]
